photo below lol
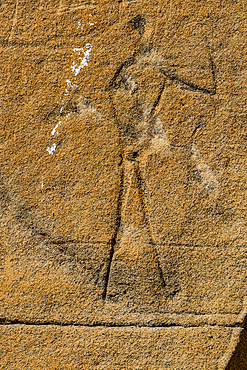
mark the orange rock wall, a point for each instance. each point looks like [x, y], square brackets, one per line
[123, 184]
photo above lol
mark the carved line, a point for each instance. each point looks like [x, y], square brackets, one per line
[242, 317]
[155, 320]
[192, 86]
[129, 62]
[235, 338]
[241, 320]
[66, 10]
[213, 68]
[167, 244]
[104, 294]
[63, 43]
[115, 237]
[119, 207]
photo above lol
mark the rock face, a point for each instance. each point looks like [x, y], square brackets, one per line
[123, 184]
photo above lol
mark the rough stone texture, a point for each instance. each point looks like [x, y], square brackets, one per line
[52, 347]
[123, 182]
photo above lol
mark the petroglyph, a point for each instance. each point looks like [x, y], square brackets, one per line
[123, 164]
[142, 134]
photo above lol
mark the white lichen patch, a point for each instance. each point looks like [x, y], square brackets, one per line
[55, 128]
[82, 61]
[80, 27]
[51, 150]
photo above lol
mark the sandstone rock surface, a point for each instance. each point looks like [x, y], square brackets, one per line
[123, 184]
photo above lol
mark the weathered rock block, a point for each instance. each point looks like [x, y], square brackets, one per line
[123, 184]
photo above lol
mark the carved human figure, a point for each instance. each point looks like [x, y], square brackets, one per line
[136, 92]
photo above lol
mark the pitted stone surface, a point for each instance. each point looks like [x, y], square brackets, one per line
[123, 164]
[113, 348]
